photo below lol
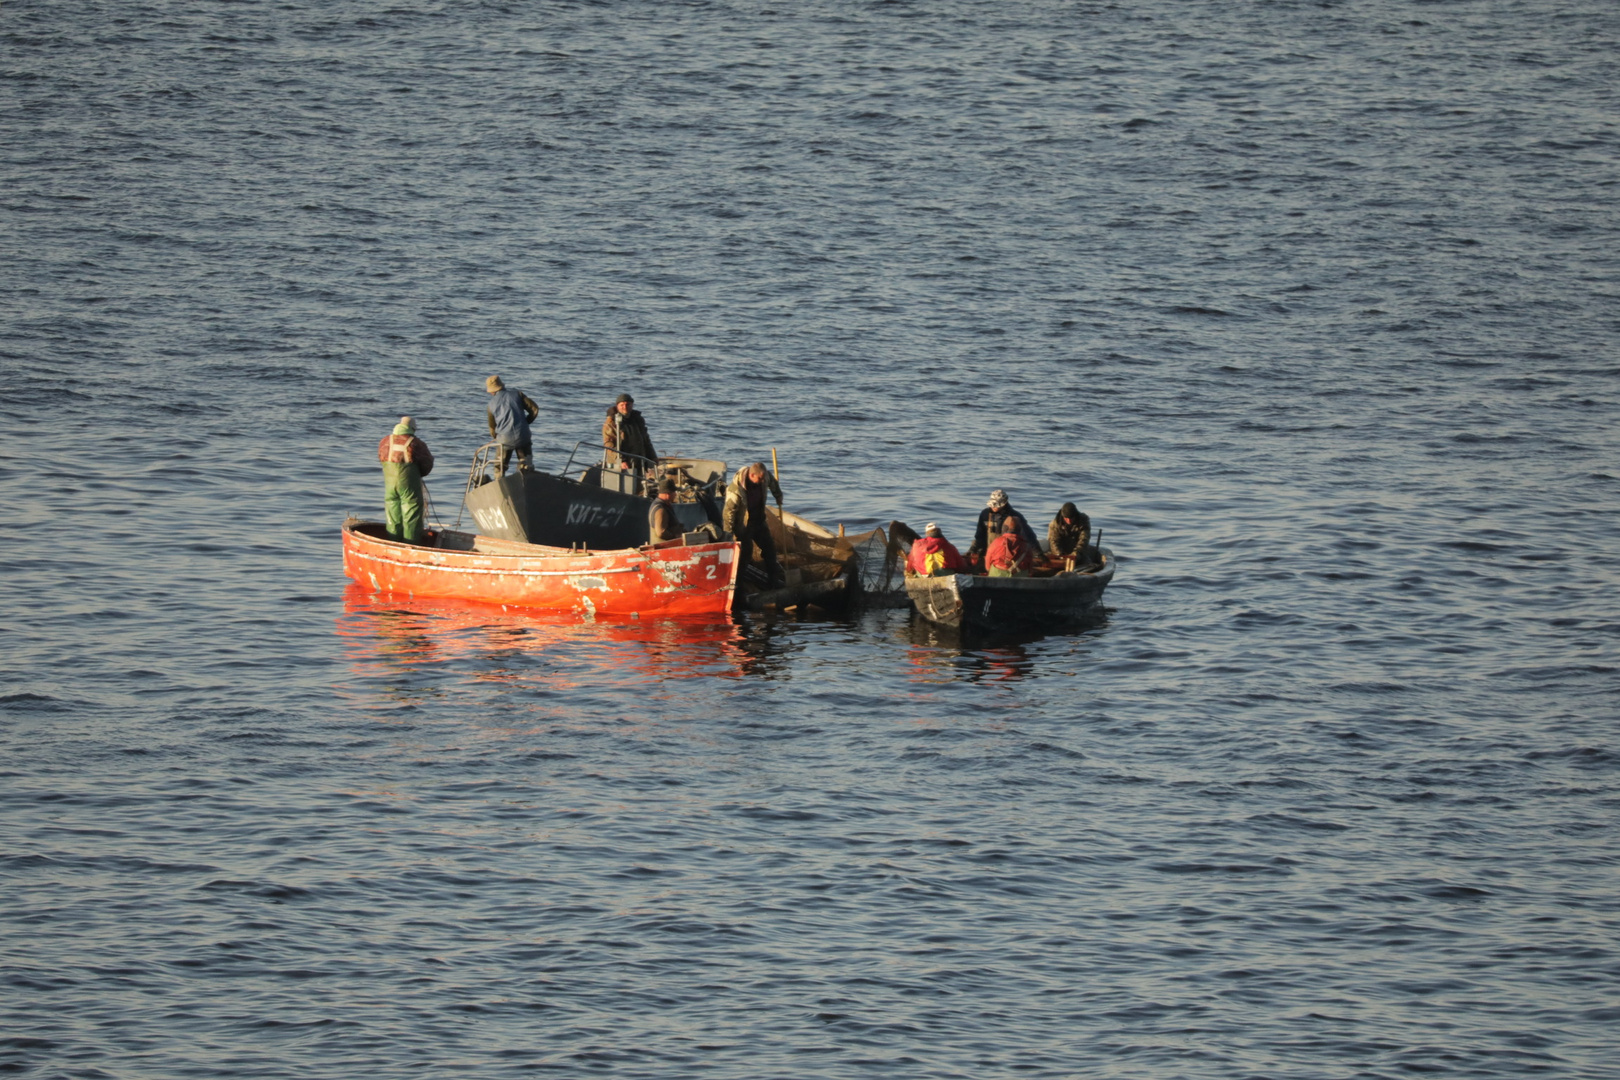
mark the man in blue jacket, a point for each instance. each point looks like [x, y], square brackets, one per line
[510, 413]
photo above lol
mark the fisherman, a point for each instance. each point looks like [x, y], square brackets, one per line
[510, 414]
[625, 438]
[1010, 554]
[991, 519]
[934, 556]
[745, 517]
[405, 460]
[661, 521]
[1069, 534]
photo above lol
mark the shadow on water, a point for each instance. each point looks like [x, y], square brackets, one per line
[939, 653]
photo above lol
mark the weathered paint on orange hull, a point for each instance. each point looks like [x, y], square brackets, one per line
[678, 580]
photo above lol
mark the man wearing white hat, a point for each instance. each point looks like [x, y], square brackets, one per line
[992, 519]
[934, 556]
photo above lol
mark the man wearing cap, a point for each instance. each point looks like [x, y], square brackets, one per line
[934, 556]
[405, 460]
[745, 517]
[510, 413]
[661, 521]
[991, 519]
[1069, 534]
[1010, 554]
[625, 438]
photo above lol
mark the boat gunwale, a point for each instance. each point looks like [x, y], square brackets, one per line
[425, 555]
[954, 582]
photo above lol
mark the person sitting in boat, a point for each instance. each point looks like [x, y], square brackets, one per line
[1010, 554]
[661, 521]
[1068, 535]
[934, 556]
[996, 513]
[744, 516]
[510, 414]
[405, 460]
[625, 438]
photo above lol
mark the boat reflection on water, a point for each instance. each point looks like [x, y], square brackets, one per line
[560, 649]
[949, 654]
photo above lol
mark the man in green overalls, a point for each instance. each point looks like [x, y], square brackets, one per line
[405, 460]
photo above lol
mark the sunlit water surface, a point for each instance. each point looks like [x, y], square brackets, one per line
[1311, 306]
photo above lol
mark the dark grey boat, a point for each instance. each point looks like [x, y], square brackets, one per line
[993, 604]
[591, 506]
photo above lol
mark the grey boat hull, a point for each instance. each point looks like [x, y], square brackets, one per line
[988, 604]
[538, 508]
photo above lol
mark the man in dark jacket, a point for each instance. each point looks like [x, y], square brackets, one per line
[1068, 535]
[625, 438]
[991, 520]
[745, 517]
[662, 523]
[405, 460]
[510, 414]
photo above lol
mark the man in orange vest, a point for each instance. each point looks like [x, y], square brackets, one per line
[1010, 555]
[405, 460]
[934, 556]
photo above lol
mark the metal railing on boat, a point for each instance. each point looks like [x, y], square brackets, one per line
[629, 474]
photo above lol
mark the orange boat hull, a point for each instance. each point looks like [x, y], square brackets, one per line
[669, 579]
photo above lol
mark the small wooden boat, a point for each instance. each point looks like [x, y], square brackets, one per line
[673, 578]
[993, 604]
[818, 565]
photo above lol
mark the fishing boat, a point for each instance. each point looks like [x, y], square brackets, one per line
[575, 540]
[1051, 600]
[674, 578]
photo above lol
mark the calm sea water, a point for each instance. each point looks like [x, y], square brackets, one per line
[1313, 307]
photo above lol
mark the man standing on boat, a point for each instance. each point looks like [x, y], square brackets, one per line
[510, 413]
[661, 521]
[745, 517]
[625, 438]
[405, 460]
[1010, 554]
[997, 512]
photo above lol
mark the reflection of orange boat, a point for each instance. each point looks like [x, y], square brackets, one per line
[662, 579]
[435, 631]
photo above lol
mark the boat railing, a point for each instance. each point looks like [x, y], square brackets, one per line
[704, 477]
[637, 463]
[632, 474]
[479, 474]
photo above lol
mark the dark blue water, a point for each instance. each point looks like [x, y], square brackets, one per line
[1312, 306]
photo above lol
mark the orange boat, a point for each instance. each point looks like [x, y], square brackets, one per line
[672, 578]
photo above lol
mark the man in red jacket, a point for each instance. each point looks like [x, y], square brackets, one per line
[1010, 555]
[934, 556]
[405, 460]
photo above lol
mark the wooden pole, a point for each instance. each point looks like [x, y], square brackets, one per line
[777, 472]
